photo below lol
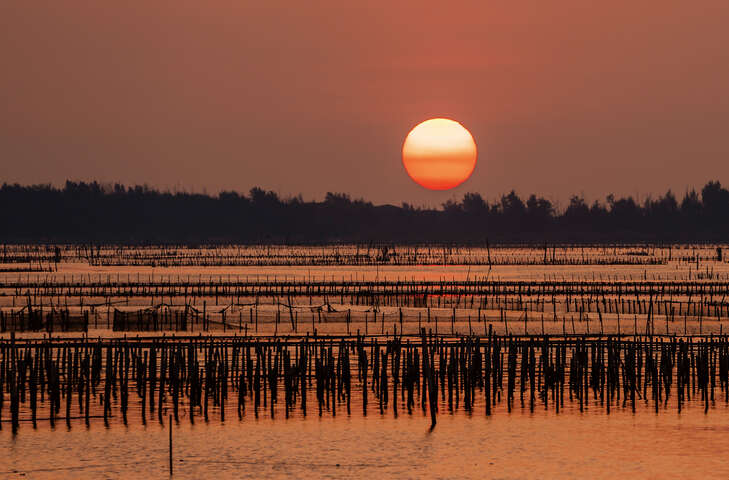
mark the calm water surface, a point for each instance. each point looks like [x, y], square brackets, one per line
[518, 445]
[542, 444]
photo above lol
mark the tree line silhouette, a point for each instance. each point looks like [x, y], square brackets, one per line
[92, 212]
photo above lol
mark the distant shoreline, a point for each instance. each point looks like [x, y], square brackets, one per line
[83, 213]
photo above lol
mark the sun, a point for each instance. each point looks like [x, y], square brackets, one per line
[439, 154]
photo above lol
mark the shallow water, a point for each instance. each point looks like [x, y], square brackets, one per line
[517, 445]
[520, 444]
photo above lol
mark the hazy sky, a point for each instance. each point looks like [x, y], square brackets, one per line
[562, 97]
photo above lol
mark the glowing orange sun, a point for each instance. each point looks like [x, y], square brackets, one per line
[439, 154]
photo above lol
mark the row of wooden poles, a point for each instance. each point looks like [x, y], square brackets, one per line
[359, 255]
[166, 317]
[182, 310]
[68, 379]
[118, 286]
[661, 305]
[371, 260]
[31, 319]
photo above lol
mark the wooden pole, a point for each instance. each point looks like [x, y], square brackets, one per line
[170, 445]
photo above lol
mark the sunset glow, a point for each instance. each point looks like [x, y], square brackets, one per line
[439, 154]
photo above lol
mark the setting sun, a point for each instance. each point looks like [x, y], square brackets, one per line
[439, 154]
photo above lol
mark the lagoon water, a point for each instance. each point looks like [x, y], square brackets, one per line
[542, 444]
[516, 444]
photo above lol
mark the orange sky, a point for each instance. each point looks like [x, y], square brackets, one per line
[304, 97]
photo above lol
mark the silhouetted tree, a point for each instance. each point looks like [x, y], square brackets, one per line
[94, 212]
[715, 201]
[474, 204]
